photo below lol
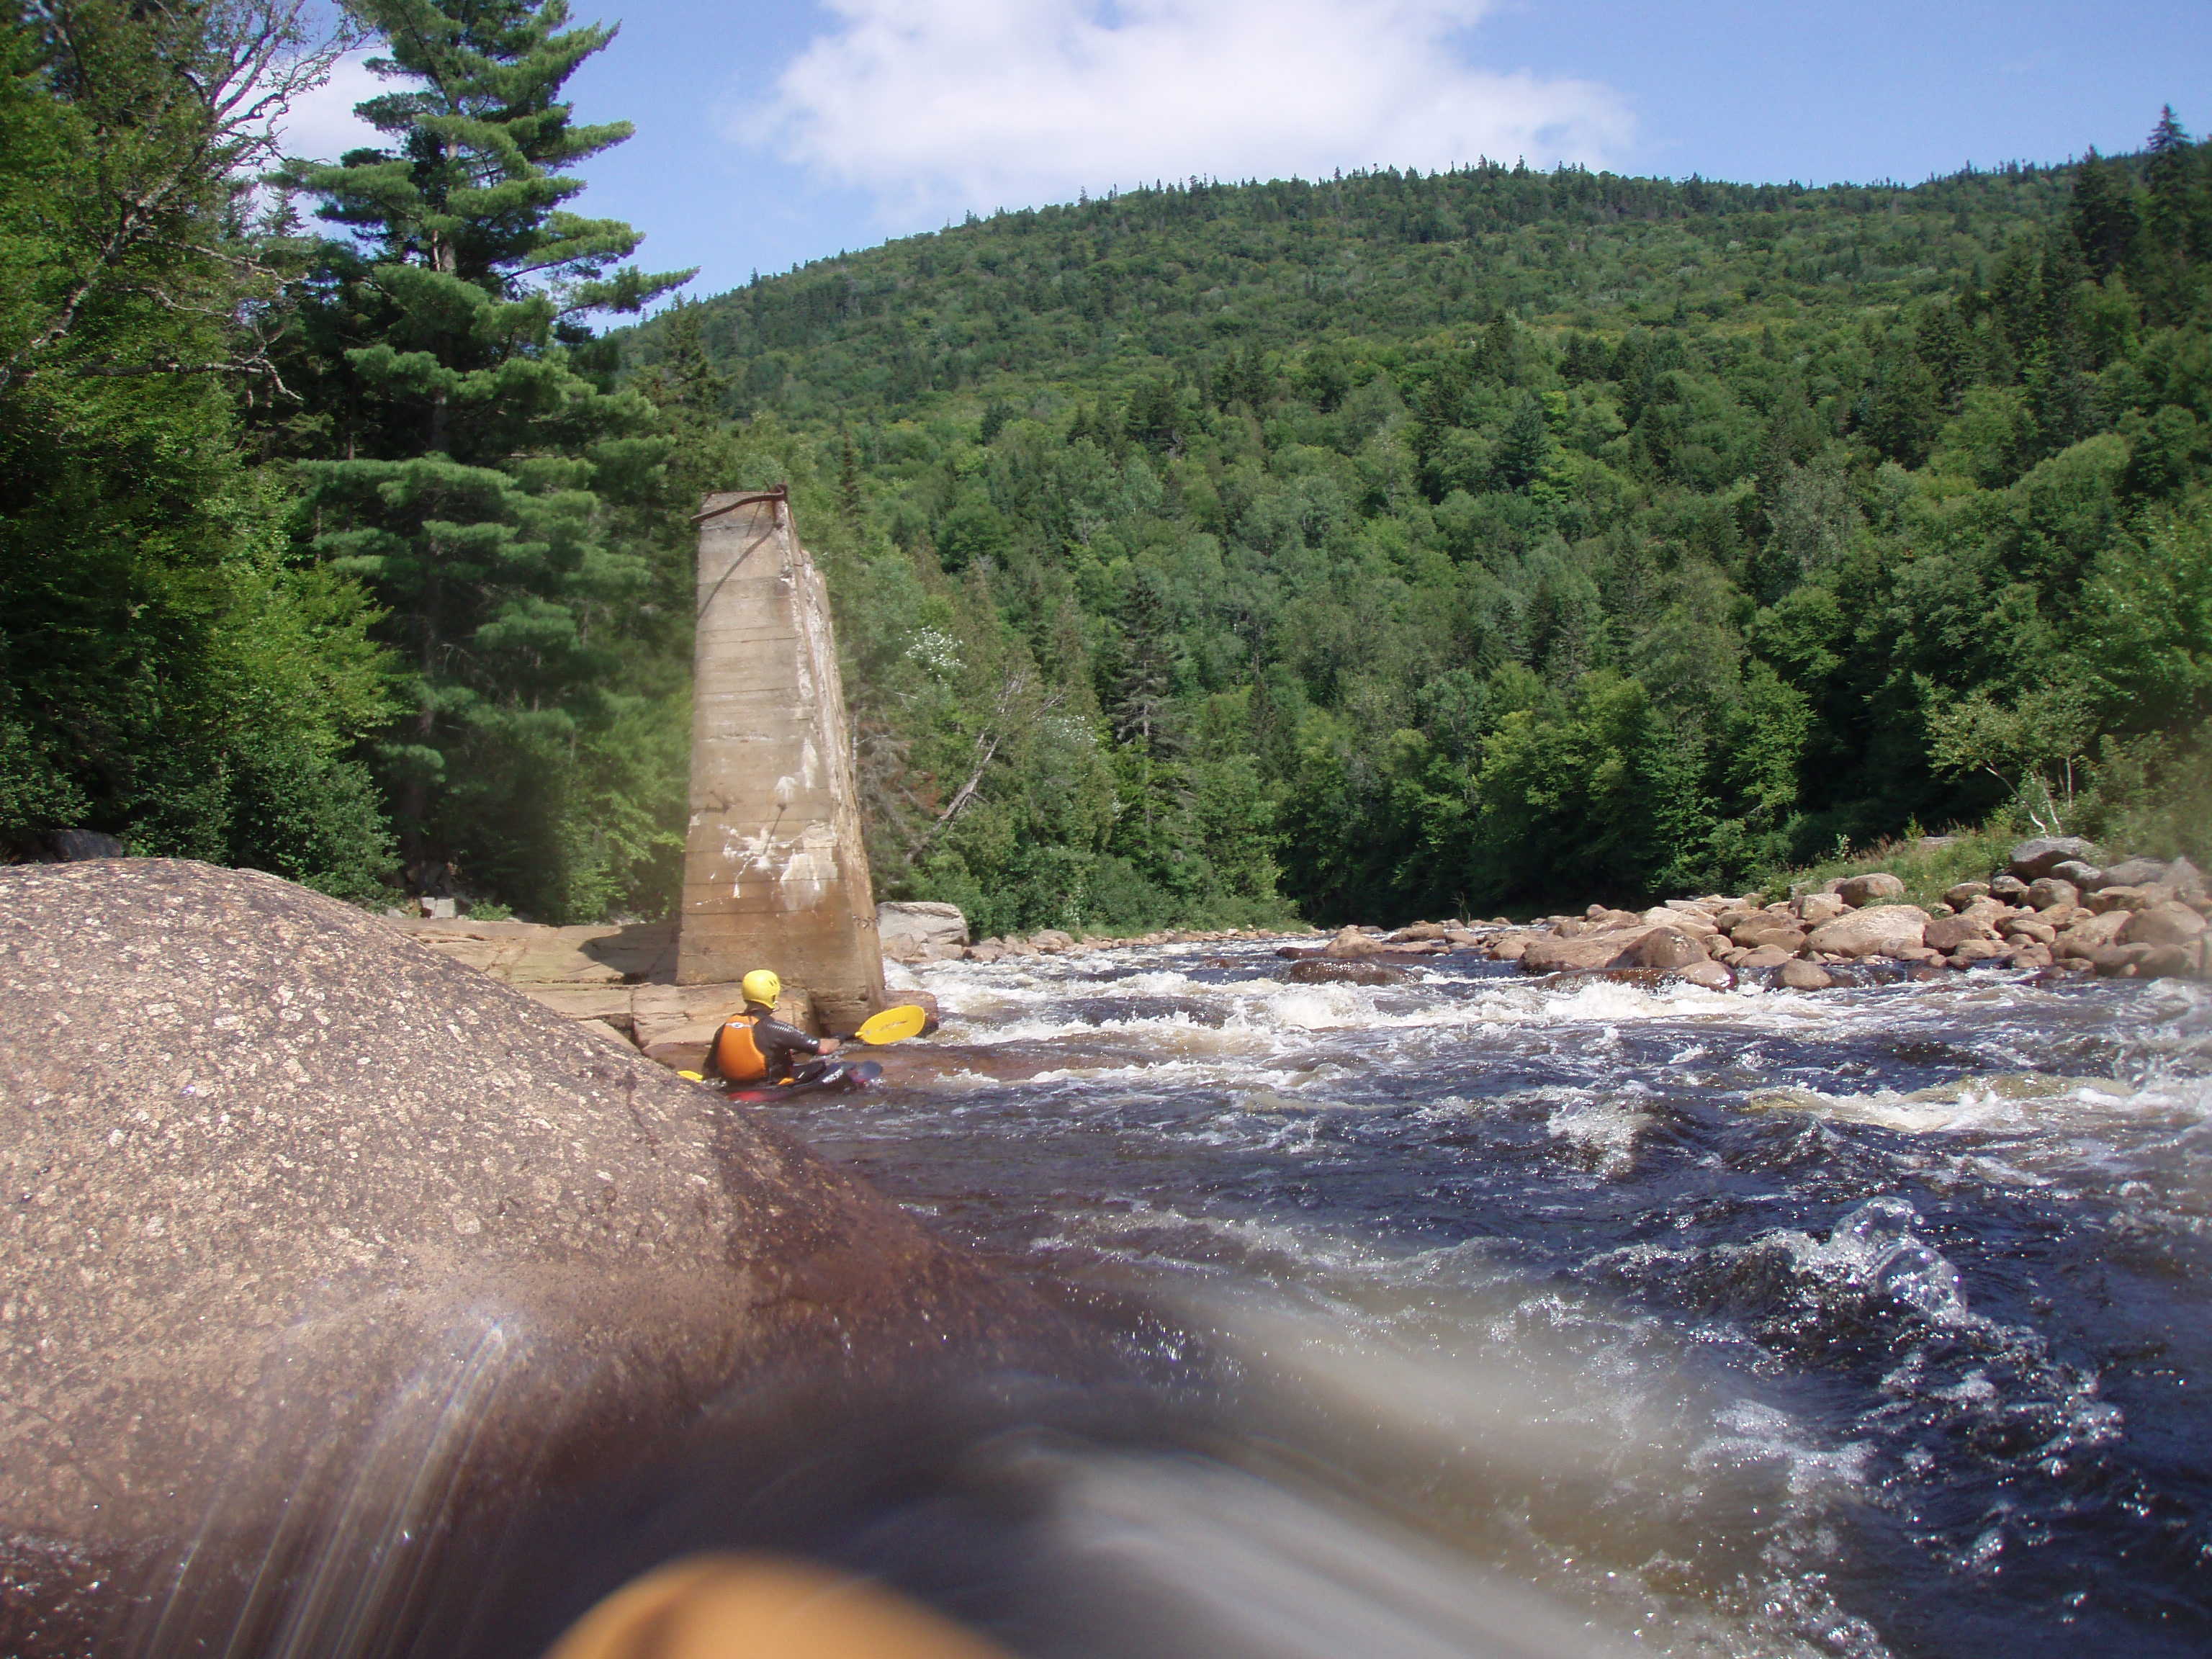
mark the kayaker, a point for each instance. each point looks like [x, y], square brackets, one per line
[756, 1046]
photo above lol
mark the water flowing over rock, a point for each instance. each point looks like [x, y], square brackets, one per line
[1315, 972]
[296, 1207]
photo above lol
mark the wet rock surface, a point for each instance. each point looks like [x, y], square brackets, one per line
[283, 1187]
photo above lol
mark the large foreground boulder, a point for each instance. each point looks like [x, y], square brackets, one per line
[302, 1220]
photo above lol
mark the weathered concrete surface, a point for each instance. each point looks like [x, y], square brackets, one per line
[292, 1206]
[776, 874]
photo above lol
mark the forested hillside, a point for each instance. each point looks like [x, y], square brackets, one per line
[1386, 544]
[1405, 543]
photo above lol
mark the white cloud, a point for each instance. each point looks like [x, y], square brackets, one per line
[322, 125]
[940, 104]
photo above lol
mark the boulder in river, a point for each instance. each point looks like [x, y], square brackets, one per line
[1710, 975]
[1814, 908]
[1950, 933]
[1881, 931]
[318, 1245]
[2134, 872]
[1875, 885]
[1548, 955]
[921, 931]
[1798, 974]
[2085, 936]
[2117, 896]
[1349, 944]
[1316, 972]
[1761, 931]
[2046, 890]
[2038, 856]
[2171, 923]
[1663, 947]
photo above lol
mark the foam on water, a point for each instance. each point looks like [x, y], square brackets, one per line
[1757, 1321]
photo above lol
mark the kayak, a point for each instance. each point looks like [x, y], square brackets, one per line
[839, 1078]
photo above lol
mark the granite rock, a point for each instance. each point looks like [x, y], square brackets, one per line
[298, 1209]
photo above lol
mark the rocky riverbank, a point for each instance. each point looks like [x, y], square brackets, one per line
[315, 1245]
[2049, 908]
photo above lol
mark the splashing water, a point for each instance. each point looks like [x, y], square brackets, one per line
[1742, 1322]
[1481, 1315]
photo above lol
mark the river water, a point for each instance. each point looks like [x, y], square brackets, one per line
[1869, 1321]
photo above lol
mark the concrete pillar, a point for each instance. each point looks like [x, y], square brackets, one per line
[776, 874]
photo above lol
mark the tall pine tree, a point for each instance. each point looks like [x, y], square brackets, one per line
[478, 471]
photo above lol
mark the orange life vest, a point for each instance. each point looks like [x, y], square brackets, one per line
[737, 1056]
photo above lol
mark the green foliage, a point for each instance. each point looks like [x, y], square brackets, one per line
[1493, 536]
[1393, 544]
[1928, 866]
[508, 509]
[168, 673]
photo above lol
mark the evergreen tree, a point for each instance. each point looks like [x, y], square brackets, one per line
[1526, 448]
[168, 674]
[2103, 218]
[479, 466]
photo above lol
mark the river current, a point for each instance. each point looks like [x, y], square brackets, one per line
[1542, 1314]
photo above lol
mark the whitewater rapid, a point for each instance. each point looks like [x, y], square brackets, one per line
[1867, 1322]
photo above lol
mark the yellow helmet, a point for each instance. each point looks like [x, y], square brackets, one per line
[761, 987]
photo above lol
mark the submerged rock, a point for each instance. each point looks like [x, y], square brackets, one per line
[296, 1208]
[1798, 974]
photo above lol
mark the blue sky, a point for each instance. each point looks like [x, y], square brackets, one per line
[777, 133]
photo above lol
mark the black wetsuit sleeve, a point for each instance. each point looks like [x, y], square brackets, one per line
[780, 1044]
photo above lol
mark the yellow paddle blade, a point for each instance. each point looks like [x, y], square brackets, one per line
[892, 1025]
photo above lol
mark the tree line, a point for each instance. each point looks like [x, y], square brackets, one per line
[1389, 544]
[329, 542]
[1405, 544]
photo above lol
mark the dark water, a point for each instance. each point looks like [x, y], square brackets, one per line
[1869, 1323]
